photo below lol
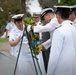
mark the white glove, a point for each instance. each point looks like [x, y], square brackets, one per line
[29, 28]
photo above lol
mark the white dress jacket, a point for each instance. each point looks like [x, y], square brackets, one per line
[25, 62]
[49, 27]
[63, 51]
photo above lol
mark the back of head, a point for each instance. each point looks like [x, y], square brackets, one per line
[73, 9]
[63, 11]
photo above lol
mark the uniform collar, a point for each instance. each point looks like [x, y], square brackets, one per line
[74, 21]
[66, 21]
[53, 19]
[38, 22]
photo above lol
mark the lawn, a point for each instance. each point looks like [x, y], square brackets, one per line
[3, 39]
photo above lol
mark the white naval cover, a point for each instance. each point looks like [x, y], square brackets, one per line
[63, 51]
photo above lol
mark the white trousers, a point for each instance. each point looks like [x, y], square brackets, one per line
[26, 65]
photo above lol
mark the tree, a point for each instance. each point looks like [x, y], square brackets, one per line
[23, 6]
[9, 7]
[67, 2]
[51, 3]
[47, 3]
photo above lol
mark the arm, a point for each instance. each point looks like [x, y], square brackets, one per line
[6, 33]
[13, 38]
[47, 28]
[7, 30]
[41, 28]
[15, 42]
[53, 24]
[47, 44]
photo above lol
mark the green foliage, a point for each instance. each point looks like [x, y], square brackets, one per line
[3, 39]
[51, 3]
[9, 7]
[67, 2]
[47, 3]
[28, 14]
[28, 21]
[33, 36]
[2, 20]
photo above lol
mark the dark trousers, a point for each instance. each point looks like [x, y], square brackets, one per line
[46, 54]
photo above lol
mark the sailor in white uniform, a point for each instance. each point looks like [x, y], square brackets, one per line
[63, 51]
[49, 17]
[25, 62]
[9, 26]
[73, 14]
[37, 20]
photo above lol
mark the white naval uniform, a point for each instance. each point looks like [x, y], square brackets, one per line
[49, 27]
[74, 22]
[9, 27]
[39, 24]
[63, 51]
[25, 63]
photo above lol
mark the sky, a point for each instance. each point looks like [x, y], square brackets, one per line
[34, 7]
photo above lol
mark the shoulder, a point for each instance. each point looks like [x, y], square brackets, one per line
[59, 30]
[9, 23]
[55, 24]
[58, 27]
[58, 33]
[14, 29]
[54, 21]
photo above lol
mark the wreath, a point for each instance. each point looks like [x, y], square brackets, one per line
[34, 37]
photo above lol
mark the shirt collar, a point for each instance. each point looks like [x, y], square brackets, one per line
[66, 21]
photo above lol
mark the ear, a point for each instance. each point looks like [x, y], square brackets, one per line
[59, 17]
[73, 13]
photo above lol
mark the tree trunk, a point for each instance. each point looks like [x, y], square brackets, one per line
[2, 30]
[24, 7]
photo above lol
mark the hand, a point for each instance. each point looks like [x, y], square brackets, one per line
[29, 28]
[15, 42]
[19, 38]
[40, 47]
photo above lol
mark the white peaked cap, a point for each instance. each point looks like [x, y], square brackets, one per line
[18, 15]
[61, 7]
[47, 9]
[74, 6]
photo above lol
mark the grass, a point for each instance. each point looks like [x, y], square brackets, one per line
[4, 40]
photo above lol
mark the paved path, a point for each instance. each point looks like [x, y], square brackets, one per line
[5, 46]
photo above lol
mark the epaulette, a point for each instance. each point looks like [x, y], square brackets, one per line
[71, 23]
[40, 24]
[58, 27]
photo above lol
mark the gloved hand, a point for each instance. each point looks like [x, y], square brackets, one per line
[40, 47]
[29, 28]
